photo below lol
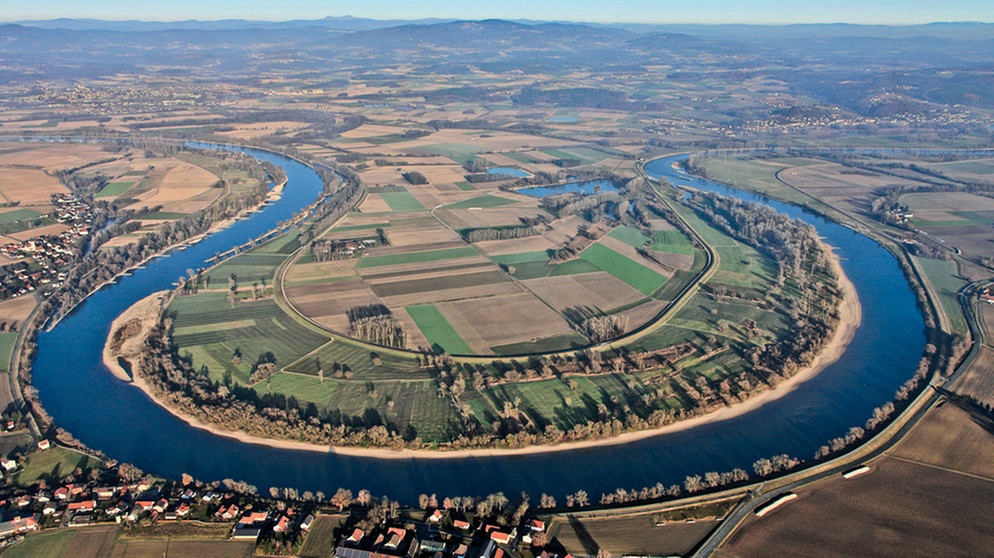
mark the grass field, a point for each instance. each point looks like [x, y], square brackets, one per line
[7, 340]
[52, 465]
[673, 242]
[946, 281]
[47, 544]
[417, 257]
[114, 189]
[637, 275]
[320, 540]
[203, 323]
[18, 215]
[438, 330]
[402, 201]
[630, 236]
[485, 201]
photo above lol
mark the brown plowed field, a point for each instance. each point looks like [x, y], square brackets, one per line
[596, 290]
[431, 297]
[503, 320]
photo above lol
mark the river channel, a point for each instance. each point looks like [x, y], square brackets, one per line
[115, 417]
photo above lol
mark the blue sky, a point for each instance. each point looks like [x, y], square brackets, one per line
[890, 12]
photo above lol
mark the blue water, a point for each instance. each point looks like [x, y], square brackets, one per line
[508, 171]
[117, 418]
[587, 188]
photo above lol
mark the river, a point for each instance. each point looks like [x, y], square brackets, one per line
[115, 417]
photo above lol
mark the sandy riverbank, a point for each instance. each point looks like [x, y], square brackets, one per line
[850, 316]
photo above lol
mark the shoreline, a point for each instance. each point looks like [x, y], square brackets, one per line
[850, 317]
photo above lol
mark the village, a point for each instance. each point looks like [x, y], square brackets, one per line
[361, 527]
[40, 261]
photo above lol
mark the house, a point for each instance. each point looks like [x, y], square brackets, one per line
[536, 525]
[84, 506]
[161, 505]
[49, 508]
[44, 444]
[460, 524]
[228, 513]
[18, 526]
[500, 537]
[247, 534]
[395, 536]
[183, 510]
[356, 536]
[62, 493]
[305, 525]
[254, 518]
[436, 516]
[8, 464]
[144, 505]
[105, 492]
[282, 524]
[24, 501]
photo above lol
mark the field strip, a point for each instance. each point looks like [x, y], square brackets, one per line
[214, 326]
[939, 467]
[310, 354]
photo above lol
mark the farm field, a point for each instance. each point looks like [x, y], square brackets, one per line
[183, 549]
[212, 330]
[902, 507]
[7, 340]
[635, 274]
[946, 281]
[438, 330]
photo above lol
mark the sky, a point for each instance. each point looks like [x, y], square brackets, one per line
[776, 12]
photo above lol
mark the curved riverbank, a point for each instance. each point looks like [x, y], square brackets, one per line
[850, 317]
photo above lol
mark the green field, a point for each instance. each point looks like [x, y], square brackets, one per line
[401, 201]
[672, 242]
[418, 257]
[18, 215]
[345, 353]
[630, 236]
[635, 274]
[946, 281]
[248, 268]
[208, 328]
[465, 186]
[7, 340]
[575, 267]
[483, 202]
[53, 465]
[48, 544]
[438, 330]
[114, 189]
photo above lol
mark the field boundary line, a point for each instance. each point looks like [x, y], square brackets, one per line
[939, 467]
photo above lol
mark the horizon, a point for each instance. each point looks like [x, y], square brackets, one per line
[896, 13]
